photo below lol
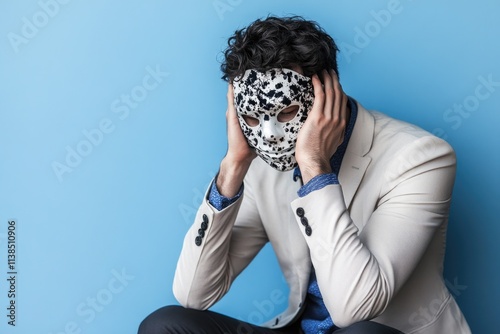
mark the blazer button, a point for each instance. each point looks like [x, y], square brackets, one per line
[204, 226]
[205, 218]
[304, 221]
[197, 241]
[201, 232]
[308, 230]
[300, 212]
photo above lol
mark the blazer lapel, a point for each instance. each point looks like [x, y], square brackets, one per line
[355, 161]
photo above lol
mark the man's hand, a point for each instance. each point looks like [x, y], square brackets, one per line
[324, 128]
[235, 164]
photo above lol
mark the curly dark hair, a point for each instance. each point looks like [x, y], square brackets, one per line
[279, 42]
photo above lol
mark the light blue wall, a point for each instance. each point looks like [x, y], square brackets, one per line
[122, 209]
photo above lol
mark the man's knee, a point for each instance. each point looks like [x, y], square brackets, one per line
[162, 320]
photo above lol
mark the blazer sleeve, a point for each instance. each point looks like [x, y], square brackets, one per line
[231, 239]
[359, 272]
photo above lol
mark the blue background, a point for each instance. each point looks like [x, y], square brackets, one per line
[126, 205]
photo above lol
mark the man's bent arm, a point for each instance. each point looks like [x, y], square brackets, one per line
[207, 267]
[358, 274]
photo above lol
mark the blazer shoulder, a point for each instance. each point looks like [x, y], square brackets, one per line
[394, 133]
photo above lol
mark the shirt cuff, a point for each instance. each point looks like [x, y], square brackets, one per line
[317, 182]
[219, 201]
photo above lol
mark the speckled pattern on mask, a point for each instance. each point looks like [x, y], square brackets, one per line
[262, 95]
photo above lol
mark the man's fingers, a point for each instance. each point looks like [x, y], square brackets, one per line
[340, 101]
[230, 93]
[319, 94]
[337, 106]
[330, 96]
[230, 96]
[231, 109]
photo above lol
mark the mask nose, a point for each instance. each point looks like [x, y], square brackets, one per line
[272, 132]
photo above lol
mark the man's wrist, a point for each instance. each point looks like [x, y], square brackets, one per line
[312, 170]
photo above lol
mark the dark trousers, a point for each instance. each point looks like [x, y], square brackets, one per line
[179, 320]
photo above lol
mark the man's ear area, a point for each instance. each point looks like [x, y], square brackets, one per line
[297, 69]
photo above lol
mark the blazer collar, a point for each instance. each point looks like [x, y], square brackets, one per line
[355, 161]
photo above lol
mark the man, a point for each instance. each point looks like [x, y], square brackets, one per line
[354, 202]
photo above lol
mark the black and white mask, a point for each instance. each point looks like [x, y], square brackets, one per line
[272, 106]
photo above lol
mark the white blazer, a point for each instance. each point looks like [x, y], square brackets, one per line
[377, 240]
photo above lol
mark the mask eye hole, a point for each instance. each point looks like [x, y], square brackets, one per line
[288, 113]
[251, 121]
